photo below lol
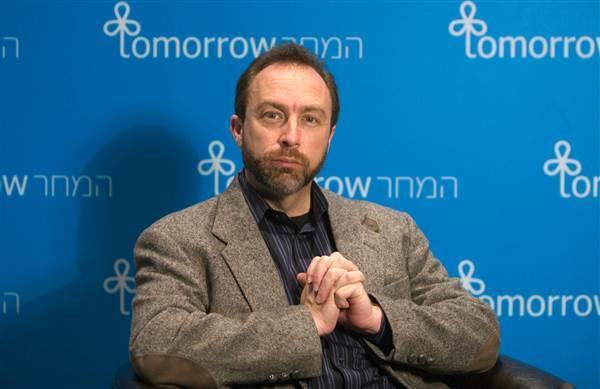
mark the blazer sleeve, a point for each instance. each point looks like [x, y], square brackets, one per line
[440, 328]
[176, 340]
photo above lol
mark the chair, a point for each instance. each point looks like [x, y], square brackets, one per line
[508, 373]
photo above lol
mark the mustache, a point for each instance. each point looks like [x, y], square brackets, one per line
[287, 154]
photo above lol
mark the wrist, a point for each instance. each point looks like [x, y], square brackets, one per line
[322, 327]
[374, 323]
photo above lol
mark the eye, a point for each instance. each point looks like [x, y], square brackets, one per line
[272, 116]
[310, 119]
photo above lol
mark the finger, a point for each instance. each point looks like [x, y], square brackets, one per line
[321, 267]
[308, 295]
[336, 278]
[340, 302]
[346, 279]
[302, 278]
[349, 292]
[328, 282]
[350, 277]
[342, 262]
[336, 260]
[311, 268]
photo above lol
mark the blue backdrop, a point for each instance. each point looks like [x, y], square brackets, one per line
[481, 119]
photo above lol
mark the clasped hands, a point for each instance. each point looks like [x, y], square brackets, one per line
[334, 293]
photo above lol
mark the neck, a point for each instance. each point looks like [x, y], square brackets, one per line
[295, 204]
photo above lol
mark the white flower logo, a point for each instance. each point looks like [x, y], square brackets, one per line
[122, 25]
[562, 164]
[468, 25]
[216, 164]
[466, 269]
[120, 283]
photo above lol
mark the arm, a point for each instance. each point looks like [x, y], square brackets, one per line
[441, 328]
[435, 325]
[176, 340]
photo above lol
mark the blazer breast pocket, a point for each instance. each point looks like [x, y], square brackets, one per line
[398, 289]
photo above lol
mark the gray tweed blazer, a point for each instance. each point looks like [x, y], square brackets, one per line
[211, 311]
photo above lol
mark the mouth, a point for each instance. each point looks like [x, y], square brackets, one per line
[286, 162]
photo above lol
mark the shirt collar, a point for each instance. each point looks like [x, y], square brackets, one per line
[259, 207]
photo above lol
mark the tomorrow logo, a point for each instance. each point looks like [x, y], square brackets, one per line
[563, 166]
[535, 305]
[132, 43]
[480, 45]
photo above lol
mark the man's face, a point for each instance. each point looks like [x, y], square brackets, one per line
[286, 133]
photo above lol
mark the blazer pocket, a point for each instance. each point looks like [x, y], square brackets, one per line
[399, 289]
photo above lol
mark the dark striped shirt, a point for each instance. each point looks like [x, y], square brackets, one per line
[293, 242]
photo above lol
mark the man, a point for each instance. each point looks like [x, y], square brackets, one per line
[277, 282]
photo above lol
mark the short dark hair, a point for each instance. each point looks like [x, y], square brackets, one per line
[290, 53]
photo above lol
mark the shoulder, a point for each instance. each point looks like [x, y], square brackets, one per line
[193, 220]
[385, 217]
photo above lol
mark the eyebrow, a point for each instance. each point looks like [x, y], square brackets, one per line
[306, 108]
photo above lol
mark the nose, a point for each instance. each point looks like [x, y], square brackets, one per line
[290, 134]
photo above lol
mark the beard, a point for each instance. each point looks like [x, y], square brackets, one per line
[281, 181]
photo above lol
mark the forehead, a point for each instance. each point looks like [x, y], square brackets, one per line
[289, 84]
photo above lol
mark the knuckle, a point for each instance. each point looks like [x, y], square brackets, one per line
[358, 274]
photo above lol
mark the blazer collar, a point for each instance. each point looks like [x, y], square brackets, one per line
[246, 252]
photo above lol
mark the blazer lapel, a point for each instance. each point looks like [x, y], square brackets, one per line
[246, 252]
[356, 237]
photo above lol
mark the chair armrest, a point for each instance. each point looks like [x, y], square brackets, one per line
[509, 373]
[125, 378]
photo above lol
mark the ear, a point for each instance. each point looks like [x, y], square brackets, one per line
[331, 132]
[236, 127]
